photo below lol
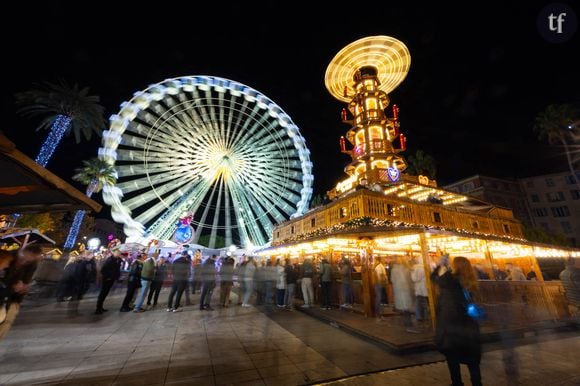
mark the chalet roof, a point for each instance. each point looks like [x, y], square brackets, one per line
[26, 187]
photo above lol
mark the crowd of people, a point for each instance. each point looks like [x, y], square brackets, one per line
[278, 283]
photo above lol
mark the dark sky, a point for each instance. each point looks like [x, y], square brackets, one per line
[479, 73]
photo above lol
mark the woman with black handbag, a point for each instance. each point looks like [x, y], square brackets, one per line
[457, 333]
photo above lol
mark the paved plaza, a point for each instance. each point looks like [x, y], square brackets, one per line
[66, 344]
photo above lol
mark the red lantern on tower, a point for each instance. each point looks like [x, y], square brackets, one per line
[343, 115]
[395, 113]
[403, 140]
[342, 143]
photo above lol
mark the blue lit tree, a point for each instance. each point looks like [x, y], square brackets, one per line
[64, 109]
[95, 174]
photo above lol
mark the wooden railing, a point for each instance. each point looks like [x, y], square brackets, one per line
[365, 203]
[519, 303]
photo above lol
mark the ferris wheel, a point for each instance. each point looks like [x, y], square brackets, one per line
[211, 147]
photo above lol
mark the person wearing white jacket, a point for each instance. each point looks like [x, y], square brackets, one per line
[280, 283]
[421, 294]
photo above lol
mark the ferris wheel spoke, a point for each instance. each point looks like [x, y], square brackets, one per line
[228, 219]
[254, 211]
[156, 209]
[202, 223]
[216, 216]
[160, 188]
[229, 125]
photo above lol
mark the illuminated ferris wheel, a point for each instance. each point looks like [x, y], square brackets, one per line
[211, 147]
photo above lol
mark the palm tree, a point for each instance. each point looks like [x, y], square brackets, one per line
[95, 174]
[558, 124]
[64, 109]
[422, 163]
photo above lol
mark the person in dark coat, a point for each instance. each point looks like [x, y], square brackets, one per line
[157, 284]
[70, 280]
[133, 281]
[181, 269]
[208, 272]
[457, 335]
[110, 273]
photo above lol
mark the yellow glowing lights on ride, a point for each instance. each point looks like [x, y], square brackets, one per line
[388, 55]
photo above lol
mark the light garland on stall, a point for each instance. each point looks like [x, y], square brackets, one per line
[380, 224]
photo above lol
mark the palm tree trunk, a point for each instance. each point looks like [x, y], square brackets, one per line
[78, 220]
[571, 164]
[58, 129]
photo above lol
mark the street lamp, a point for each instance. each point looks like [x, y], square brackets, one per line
[93, 243]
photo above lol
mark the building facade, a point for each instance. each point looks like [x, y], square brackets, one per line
[550, 202]
[500, 192]
[554, 202]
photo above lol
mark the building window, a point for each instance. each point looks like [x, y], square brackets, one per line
[292, 229]
[506, 228]
[277, 235]
[313, 222]
[550, 182]
[475, 224]
[468, 187]
[390, 210]
[540, 212]
[535, 198]
[343, 212]
[530, 184]
[575, 194]
[570, 179]
[555, 196]
[560, 211]
[566, 227]
[436, 216]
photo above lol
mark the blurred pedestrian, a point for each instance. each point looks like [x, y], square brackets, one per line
[280, 283]
[133, 282]
[248, 275]
[17, 278]
[110, 273]
[158, 280]
[306, 275]
[346, 280]
[457, 335]
[208, 273]
[291, 274]
[402, 289]
[180, 268]
[570, 278]
[226, 281]
[147, 277]
[421, 295]
[325, 284]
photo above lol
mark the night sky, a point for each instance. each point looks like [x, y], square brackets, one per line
[479, 74]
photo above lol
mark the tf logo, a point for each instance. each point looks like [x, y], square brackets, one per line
[557, 22]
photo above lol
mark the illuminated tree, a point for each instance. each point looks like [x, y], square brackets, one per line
[64, 109]
[558, 124]
[421, 163]
[95, 174]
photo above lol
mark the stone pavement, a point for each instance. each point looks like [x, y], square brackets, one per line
[550, 360]
[66, 344]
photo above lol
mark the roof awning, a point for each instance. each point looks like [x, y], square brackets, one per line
[26, 187]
